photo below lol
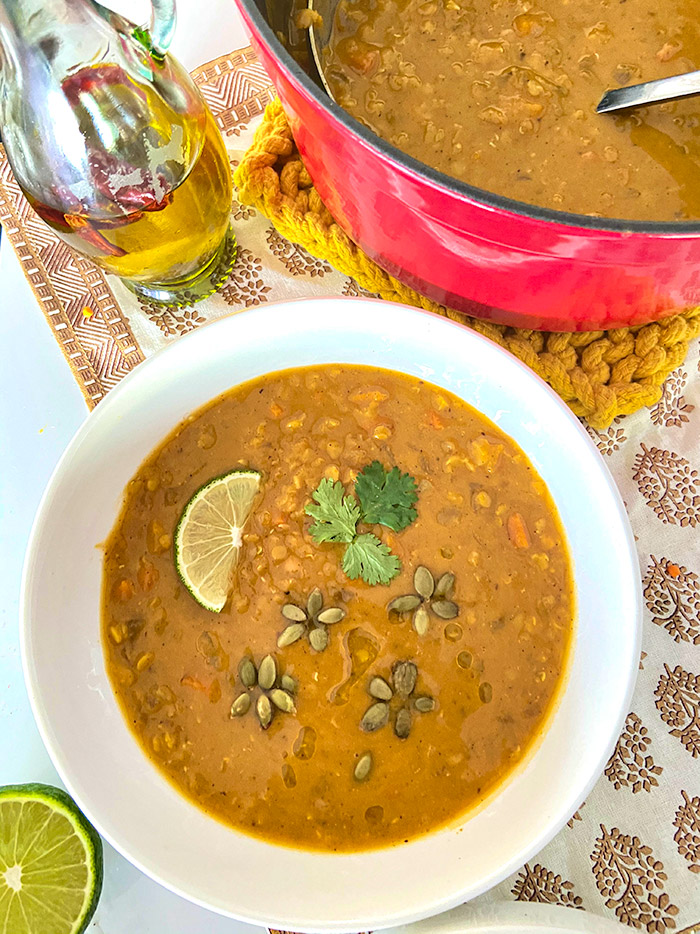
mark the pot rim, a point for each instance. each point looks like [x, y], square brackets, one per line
[439, 179]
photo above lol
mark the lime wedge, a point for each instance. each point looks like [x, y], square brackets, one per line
[50, 862]
[208, 536]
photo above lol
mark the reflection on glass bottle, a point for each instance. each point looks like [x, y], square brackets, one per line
[114, 147]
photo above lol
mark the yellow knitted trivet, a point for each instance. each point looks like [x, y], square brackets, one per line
[600, 374]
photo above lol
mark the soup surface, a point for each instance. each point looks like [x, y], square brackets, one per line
[414, 709]
[502, 94]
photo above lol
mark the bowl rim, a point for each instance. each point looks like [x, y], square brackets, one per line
[439, 179]
[628, 571]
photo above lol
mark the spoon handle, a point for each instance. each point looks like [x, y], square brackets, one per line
[651, 92]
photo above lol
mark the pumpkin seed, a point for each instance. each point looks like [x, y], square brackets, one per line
[402, 724]
[318, 639]
[403, 604]
[289, 684]
[363, 767]
[290, 635]
[404, 676]
[379, 688]
[375, 717]
[424, 704]
[464, 660]
[421, 621]
[424, 582]
[267, 673]
[289, 776]
[332, 615]
[314, 603]
[445, 609]
[247, 672]
[282, 700]
[485, 692]
[293, 613]
[445, 585]
[241, 705]
[263, 708]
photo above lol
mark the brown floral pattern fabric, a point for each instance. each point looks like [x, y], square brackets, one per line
[631, 851]
[631, 765]
[672, 595]
[687, 836]
[539, 884]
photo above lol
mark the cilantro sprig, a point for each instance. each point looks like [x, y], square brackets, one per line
[335, 513]
[386, 497]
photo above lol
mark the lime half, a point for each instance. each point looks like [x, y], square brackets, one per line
[50, 862]
[208, 536]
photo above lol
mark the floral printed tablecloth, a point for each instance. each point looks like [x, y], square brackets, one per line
[632, 849]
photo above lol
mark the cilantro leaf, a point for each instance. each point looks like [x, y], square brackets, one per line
[335, 513]
[386, 497]
[371, 560]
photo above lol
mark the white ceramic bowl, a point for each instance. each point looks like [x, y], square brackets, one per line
[514, 918]
[137, 810]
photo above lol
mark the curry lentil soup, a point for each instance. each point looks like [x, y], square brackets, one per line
[422, 695]
[502, 94]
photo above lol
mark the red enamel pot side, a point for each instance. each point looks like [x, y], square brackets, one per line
[484, 255]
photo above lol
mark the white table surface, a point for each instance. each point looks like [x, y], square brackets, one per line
[40, 409]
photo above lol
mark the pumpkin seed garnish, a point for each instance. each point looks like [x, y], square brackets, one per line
[375, 717]
[267, 673]
[404, 604]
[241, 705]
[263, 708]
[402, 724]
[318, 639]
[363, 767]
[424, 582]
[294, 613]
[404, 677]
[291, 635]
[276, 692]
[311, 622]
[282, 700]
[380, 689]
[421, 620]
[314, 603]
[289, 684]
[247, 672]
[445, 585]
[445, 609]
[428, 596]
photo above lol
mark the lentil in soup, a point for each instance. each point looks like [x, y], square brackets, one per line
[391, 709]
[502, 94]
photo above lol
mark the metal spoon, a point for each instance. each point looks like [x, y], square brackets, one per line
[651, 92]
[319, 36]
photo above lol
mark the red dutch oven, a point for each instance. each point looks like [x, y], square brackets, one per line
[488, 256]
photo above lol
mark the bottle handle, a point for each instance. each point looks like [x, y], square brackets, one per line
[162, 29]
